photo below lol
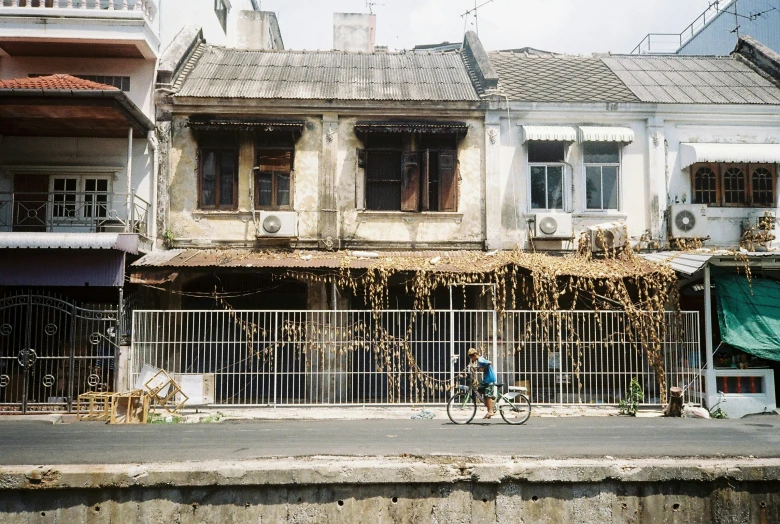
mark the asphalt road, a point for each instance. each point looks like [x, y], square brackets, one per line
[38, 443]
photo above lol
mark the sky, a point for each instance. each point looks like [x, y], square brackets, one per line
[564, 26]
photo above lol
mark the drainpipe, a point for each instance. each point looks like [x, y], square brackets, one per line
[152, 138]
[129, 182]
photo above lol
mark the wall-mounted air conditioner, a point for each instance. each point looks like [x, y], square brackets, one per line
[688, 220]
[610, 235]
[764, 219]
[282, 224]
[552, 225]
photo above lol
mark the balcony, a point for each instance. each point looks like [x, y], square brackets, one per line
[79, 28]
[73, 212]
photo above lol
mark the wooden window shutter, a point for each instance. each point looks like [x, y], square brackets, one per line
[425, 175]
[410, 181]
[448, 182]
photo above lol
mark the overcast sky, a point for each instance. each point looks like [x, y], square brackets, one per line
[569, 26]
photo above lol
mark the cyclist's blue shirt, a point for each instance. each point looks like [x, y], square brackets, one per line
[488, 375]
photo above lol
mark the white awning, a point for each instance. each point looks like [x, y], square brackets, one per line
[561, 133]
[753, 153]
[127, 242]
[606, 134]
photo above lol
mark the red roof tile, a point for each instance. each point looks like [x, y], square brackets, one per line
[55, 82]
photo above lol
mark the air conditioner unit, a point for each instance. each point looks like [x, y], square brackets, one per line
[553, 225]
[610, 235]
[282, 224]
[765, 219]
[688, 220]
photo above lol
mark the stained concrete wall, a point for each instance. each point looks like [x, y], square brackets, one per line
[433, 489]
[328, 195]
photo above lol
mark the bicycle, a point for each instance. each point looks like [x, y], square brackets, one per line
[514, 407]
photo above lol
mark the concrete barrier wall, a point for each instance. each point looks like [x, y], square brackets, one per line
[434, 489]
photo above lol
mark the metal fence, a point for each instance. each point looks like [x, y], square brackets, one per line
[413, 357]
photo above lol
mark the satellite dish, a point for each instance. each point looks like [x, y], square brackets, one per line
[548, 225]
[272, 224]
[685, 220]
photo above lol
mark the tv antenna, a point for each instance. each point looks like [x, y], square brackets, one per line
[371, 5]
[475, 11]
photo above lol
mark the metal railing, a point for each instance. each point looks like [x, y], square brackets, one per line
[148, 7]
[672, 42]
[87, 212]
[413, 357]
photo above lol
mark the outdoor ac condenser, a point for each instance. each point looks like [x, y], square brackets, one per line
[282, 224]
[688, 220]
[764, 219]
[610, 235]
[553, 225]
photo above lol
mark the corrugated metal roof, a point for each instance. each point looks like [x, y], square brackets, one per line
[693, 80]
[562, 133]
[232, 73]
[127, 242]
[681, 262]
[606, 134]
[707, 152]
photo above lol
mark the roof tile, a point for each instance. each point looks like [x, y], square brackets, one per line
[55, 82]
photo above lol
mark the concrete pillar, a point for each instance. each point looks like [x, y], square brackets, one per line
[656, 177]
[710, 384]
[492, 183]
[328, 222]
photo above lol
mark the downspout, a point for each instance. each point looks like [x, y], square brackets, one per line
[155, 145]
[129, 181]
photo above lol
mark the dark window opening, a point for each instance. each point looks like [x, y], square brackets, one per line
[218, 179]
[544, 151]
[410, 173]
[273, 179]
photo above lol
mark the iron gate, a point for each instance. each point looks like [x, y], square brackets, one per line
[51, 350]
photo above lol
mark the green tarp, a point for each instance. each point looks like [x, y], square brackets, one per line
[749, 314]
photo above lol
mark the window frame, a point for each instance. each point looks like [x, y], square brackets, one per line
[203, 149]
[79, 195]
[618, 180]
[719, 168]
[529, 181]
[274, 180]
[415, 168]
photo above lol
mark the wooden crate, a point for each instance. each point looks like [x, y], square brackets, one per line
[99, 405]
[130, 407]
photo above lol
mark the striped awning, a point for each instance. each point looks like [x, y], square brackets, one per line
[606, 134]
[705, 152]
[558, 133]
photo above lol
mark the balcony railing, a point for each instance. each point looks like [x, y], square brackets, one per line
[147, 7]
[73, 212]
[671, 42]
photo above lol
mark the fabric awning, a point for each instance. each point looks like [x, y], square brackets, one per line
[606, 134]
[705, 152]
[426, 126]
[749, 314]
[559, 133]
[244, 124]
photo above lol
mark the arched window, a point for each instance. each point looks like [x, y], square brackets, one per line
[705, 186]
[734, 187]
[762, 186]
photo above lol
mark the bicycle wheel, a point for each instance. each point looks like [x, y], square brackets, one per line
[462, 407]
[515, 411]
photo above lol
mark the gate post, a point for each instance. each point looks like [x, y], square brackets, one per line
[72, 359]
[276, 341]
[26, 369]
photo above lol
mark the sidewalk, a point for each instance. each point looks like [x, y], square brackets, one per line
[229, 413]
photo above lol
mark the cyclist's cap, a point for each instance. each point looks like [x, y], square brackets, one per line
[472, 351]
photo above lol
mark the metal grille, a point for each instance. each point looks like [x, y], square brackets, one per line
[410, 357]
[51, 350]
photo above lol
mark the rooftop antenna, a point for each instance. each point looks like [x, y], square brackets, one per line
[476, 8]
[371, 5]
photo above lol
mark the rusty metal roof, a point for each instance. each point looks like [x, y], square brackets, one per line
[466, 262]
[322, 75]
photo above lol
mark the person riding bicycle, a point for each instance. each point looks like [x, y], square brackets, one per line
[488, 384]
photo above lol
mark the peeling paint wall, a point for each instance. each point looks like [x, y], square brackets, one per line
[354, 226]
